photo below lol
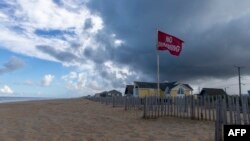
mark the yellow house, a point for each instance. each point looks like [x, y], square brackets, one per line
[142, 89]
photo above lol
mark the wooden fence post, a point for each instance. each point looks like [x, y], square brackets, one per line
[224, 106]
[244, 109]
[145, 108]
[218, 122]
[192, 107]
[126, 103]
[230, 107]
[113, 102]
[238, 120]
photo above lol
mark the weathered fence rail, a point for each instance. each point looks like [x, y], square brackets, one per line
[221, 109]
[201, 108]
[231, 110]
[128, 103]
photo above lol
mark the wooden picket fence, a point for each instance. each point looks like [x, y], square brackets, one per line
[200, 108]
[128, 103]
[231, 110]
[221, 109]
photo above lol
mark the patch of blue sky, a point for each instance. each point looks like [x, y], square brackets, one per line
[7, 8]
[71, 5]
[4, 55]
[3, 4]
[59, 2]
[34, 69]
[33, 72]
[54, 33]
[39, 91]
[17, 29]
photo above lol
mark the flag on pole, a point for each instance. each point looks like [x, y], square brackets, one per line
[170, 43]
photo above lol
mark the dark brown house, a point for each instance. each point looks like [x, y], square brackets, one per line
[212, 92]
[129, 90]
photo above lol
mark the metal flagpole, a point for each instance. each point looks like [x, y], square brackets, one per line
[158, 74]
[158, 68]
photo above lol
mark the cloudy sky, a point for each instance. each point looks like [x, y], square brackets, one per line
[70, 48]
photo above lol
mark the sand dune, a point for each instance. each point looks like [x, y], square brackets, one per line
[83, 120]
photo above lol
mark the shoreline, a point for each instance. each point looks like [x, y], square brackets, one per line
[27, 99]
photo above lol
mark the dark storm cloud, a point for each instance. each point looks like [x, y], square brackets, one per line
[88, 24]
[60, 55]
[100, 55]
[97, 56]
[214, 42]
[13, 64]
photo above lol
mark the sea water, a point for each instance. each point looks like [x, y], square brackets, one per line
[19, 99]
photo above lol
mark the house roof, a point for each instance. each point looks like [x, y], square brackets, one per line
[153, 85]
[163, 85]
[146, 85]
[114, 91]
[129, 89]
[103, 93]
[97, 94]
[212, 91]
[188, 86]
[170, 85]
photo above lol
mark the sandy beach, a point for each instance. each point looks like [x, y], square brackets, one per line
[84, 120]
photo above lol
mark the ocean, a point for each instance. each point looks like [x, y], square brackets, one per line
[19, 99]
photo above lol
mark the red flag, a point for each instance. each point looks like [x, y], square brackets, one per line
[170, 43]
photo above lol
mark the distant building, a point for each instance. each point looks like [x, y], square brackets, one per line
[101, 94]
[212, 92]
[129, 90]
[113, 93]
[248, 92]
[142, 89]
[97, 95]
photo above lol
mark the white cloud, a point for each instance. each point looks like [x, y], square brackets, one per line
[30, 16]
[6, 90]
[46, 14]
[93, 80]
[18, 33]
[71, 75]
[74, 80]
[121, 72]
[3, 16]
[85, 84]
[47, 79]
[117, 42]
[22, 44]
[231, 85]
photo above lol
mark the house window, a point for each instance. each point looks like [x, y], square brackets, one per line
[166, 91]
[136, 91]
[180, 91]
